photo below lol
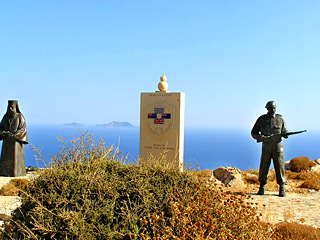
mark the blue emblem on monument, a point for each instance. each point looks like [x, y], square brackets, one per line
[158, 115]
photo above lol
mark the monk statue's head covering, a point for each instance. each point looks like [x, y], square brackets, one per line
[10, 103]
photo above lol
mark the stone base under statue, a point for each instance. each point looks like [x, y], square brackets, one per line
[12, 162]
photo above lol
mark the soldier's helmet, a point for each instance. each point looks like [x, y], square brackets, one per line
[271, 104]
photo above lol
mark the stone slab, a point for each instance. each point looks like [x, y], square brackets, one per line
[162, 127]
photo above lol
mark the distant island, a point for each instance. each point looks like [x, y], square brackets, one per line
[74, 124]
[115, 124]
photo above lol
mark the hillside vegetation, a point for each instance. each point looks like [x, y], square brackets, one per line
[89, 193]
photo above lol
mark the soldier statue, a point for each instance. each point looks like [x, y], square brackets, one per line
[269, 129]
[13, 132]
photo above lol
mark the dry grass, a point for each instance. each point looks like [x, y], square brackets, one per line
[14, 187]
[250, 178]
[203, 175]
[313, 182]
[308, 180]
[303, 179]
[295, 231]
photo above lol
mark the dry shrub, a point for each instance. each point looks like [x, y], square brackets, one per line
[272, 183]
[272, 176]
[295, 231]
[306, 175]
[299, 164]
[204, 174]
[14, 187]
[252, 171]
[298, 175]
[313, 182]
[250, 178]
[9, 189]
[292, 175]
[90, 194]
[20, 182]
[205, 213]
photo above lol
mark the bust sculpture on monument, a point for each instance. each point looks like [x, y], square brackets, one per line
[13, 132]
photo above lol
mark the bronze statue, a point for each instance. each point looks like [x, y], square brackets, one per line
[269, 129]
[13, 132]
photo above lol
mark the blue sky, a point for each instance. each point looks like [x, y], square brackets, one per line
[88, 61]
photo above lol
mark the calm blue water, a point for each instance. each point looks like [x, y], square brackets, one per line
[209, 148]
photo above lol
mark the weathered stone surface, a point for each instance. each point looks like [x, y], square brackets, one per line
[214, 180]
[230, 177]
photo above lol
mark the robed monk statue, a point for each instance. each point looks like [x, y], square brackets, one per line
[13, 132]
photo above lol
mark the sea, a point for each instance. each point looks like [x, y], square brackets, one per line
[204, 148]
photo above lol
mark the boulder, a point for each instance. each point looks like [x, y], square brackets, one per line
[230, 177]
[215, 181]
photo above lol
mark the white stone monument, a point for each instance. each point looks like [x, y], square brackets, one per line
[162, 125]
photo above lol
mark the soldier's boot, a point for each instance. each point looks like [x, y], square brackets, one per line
[282, 191]
[261, 190]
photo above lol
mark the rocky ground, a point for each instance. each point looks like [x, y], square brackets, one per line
[300, 205]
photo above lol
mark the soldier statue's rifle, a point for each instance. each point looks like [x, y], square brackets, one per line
[281, 135]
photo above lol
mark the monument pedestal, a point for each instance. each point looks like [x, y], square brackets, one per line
[162, 127]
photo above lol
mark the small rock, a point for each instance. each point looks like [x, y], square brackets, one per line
[31, 169]
[315, 168]
[230, 177]
[287, 165]
[317, 161]
[215, 181]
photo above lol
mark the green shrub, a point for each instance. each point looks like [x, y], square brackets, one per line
[299, 164]
[89, 193]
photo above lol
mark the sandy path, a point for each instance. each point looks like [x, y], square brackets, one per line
[300, 208]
